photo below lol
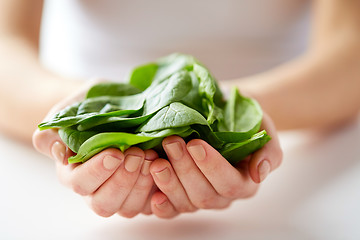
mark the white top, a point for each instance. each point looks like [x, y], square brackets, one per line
[232, 37]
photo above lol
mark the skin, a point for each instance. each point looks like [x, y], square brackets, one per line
[324, 82]
[218, 183]
[329, 68]
[115, 182]
[19, 46]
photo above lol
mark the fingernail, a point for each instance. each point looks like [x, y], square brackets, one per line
[163, 175]
[58, 151]
[162, 205]
[197, 152]
[264, 169]
[145, 170]
[132, 162]
[174, 150]
[111, 162]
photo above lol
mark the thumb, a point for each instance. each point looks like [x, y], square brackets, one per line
[267, 158]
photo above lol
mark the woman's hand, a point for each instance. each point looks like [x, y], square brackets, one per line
[111, 181]
[198, 177]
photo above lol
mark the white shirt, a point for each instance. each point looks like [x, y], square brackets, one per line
[233, 38]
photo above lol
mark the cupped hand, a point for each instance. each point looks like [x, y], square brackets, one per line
[111, 181]
[198, 177]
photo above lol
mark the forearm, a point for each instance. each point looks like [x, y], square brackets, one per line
[311, 92]
[321, 88]
[27, 90]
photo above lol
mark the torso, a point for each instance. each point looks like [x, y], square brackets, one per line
[233, 38]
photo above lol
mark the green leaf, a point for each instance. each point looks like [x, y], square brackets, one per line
[113, 123]
[160, 135]
[101, 141]
[209, 91]
[193, 98]
[176, 95]
[156, 97]
[93, 110]
[112, 89]
[141, 77]
[241, 114]
[160, 95]
[235, 152]
[173, 116]
[74, 138]
[172, 64]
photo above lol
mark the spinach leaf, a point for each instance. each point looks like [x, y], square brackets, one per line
[175, 95]
[161, 134]
[98, 142]
[156, 97]
[172, 64]
[101, 141]
[113, 123]
[241, 114]
[106, 104]
[160, 95]
[112, 89]
[142, 76]
[210, 92]
[172, 116]
[193, 98]
[235, 152]
[93, 109]
[74, 138]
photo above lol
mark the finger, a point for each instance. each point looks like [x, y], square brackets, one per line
[108, 199]
[86, 178]
[49, 143]
[147, 207]
[136, 200]
[267, 158]
[44, 141]
[162, 207]
[200, 192]
[167, 181]
[226, 179]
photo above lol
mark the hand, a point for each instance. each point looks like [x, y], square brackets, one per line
[198, 177]
[111, 181]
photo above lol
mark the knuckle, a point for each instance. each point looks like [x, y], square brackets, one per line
[128, 213]
[205, 203]
[147, 212]
[168, 189]
[95, 173]
[186, 208]
[120, 184]
[100, 209]
[224, 205]
[213, 202]
[41, 140]
[79, 189]
[232, 192]
[143, 186]
[251, 193]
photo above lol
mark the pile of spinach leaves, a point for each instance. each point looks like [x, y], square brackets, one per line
[175, 95]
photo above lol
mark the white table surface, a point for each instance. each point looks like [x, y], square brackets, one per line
[314, 195]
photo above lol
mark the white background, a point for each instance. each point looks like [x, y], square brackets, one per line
[314, 195]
